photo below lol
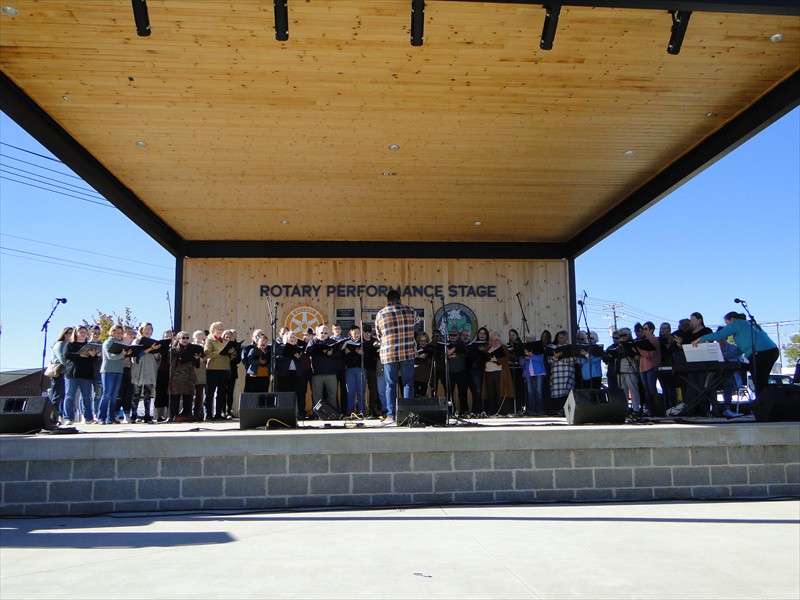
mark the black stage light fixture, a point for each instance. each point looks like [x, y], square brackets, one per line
[281, 20]
[550, 25]
[141, 17]
[680, 21]
[417, 21]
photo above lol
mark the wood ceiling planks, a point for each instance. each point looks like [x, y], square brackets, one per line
[244, 131]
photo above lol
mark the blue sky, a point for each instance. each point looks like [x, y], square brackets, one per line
[731, 232]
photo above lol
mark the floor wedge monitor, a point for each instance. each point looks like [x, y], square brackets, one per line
[596, 406]
[273, 410]
[778, 403]
[421, 411]
[27, 414]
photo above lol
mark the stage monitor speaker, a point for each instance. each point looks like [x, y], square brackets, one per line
[596, 406]
[778, 402]
[326, 411]
[424, 411]
[27, 414]
[273, 410]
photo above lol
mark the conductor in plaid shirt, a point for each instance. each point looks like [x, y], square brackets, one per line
[394, 325]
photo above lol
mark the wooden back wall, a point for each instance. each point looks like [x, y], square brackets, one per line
[232, 290]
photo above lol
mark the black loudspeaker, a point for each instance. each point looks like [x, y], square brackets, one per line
[27, 414]
[326, 411]
[267, 409]
[778, 403]
[596, 406]
[424, 411]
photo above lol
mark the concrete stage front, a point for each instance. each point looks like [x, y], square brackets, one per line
[217, 466]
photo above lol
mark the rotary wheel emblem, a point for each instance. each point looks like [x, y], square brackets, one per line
[301, 318]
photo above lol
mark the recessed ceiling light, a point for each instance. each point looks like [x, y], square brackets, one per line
[630, 153]
[394, 147]
[284, 222]
[711, 114]
[141, 143]
[778, 37]
[65, 98]
[9, 10]
[477, 223]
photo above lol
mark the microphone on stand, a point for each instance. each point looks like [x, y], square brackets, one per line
[61, 300]
[580, 302]
[738, 301]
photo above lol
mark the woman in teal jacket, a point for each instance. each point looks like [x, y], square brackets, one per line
[745, 336]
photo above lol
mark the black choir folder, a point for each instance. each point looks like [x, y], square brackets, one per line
[120, 348]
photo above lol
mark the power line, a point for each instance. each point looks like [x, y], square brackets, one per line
[32, 152]
[125, 258]
[76, 264]
[38, 178]
[7, 178]
[40, 166]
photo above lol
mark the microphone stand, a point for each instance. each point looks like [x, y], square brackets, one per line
[525, 328]
[433, 382]
[525, 331]
[754, 326]
[362, 373]
[169, 355]
[273, 321]
[447, 392]
[44, 349]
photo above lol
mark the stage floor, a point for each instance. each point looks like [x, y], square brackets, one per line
[345, 425]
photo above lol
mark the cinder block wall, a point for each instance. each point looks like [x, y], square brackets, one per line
[267, 470]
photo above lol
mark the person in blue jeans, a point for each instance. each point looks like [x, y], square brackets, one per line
[394, 325]
[111, 375]
[355, 377]
[80, 376]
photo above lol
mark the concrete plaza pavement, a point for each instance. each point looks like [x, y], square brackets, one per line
[745, 549]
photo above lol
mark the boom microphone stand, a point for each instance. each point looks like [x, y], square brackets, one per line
[44, 328]
[447, 392]
[525, 328]
[433, 382]
[754, 326]
[273, 321]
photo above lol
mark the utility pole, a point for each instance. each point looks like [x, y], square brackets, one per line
[613, 308]
[778, 326]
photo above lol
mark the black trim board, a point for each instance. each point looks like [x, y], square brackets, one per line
[304, 249]
[775, 104]
[42, 127]
[768, 7]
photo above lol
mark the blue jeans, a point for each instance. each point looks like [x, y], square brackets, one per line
[108, 403]
[649, 381]
[391, 372]
[535, 400]
[356, 386]
[380, 380]
[86, 388]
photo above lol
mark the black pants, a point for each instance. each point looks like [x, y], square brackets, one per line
[764, 360]
[216, 382]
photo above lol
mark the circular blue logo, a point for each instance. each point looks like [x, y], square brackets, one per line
[456, 316]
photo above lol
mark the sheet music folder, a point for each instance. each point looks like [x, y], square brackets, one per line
[707, 352]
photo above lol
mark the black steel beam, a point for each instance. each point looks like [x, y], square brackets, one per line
[303, 249]
[177, 324]
[41, 126]
[768, 7]
[772, 106]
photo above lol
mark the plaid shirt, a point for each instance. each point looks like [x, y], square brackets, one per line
[395, 328]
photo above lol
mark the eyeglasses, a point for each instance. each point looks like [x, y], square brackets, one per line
[184, 337]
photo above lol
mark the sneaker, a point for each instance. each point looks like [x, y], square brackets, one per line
[388, 421]
[676, 411]
[729, 414]
[67, 422]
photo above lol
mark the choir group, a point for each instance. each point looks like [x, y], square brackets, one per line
[192, 377]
